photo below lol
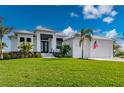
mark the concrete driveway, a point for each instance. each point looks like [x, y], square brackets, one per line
[113, 59]
[118, 59]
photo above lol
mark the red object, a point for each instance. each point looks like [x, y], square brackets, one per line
[95, 45]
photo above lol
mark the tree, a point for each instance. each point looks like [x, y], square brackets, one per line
[3, 30]
[25, 48]
[85, 34]
[64, 49]
[116, 48]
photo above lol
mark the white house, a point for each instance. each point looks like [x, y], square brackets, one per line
[47, 41]
[43, 40]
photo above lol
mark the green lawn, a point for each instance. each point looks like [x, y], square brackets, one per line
[60, 72]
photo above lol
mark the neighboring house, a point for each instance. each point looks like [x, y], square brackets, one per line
[47, 41]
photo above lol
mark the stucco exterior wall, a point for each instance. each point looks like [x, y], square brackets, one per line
[77, 49]
[14, 44]
[104, 50]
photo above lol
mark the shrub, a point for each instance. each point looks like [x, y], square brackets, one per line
[7, 56]
[64, 49]
[37, 54]
[57, 54]
[14, 55]
[25, 48]
[120, 54]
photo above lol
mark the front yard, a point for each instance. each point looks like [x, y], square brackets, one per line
[61, 72]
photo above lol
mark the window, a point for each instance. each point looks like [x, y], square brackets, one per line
[59, 42]
[22, 39]
[28, 39]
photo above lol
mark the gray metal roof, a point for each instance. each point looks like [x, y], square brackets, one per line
[45, 29]
[24, 32]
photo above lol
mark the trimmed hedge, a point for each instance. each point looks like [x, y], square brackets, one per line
[15, 55]
[120, 54]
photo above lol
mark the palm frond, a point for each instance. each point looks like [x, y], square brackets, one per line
[88, 37]
[88, 31]
[5, 30]
[82, 32]
[3, 45]
[11, 37]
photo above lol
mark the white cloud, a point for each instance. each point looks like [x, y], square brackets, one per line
[94, 12]
[113, 13]
[90, 12]
[72, 14]
[112, 34]
[104, 9]
[97, 31]
[108, 20]
[39, 27]
[69, 31]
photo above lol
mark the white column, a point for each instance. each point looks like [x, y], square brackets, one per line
[18, 42]
[54, 43]
[50, 44]
[38, 43]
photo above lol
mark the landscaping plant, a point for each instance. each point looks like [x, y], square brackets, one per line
[64, 49]
[85, 34]
[3, 31]
[25, 48]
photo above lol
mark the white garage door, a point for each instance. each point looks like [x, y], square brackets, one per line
[104, 49]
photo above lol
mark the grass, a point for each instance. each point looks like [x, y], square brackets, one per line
[61, 72]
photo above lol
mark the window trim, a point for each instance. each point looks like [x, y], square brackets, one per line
[59, 42]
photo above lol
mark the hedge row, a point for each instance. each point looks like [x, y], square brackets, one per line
[120, 54]
[15, 55]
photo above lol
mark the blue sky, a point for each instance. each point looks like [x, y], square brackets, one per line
[104, 20]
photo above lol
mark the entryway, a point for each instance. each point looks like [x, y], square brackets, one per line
[44, 46]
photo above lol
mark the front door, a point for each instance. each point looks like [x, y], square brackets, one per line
[44, 46]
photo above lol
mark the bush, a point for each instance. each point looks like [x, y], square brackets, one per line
[57, 54]
[14, 55]
[64, 49]
[37, 54]
[7, 56]
[120, 54]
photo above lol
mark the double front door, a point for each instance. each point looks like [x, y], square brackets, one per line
[44, 46]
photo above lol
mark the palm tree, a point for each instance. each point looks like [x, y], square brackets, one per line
[3, 45]
[3, 30]
[85, 34]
